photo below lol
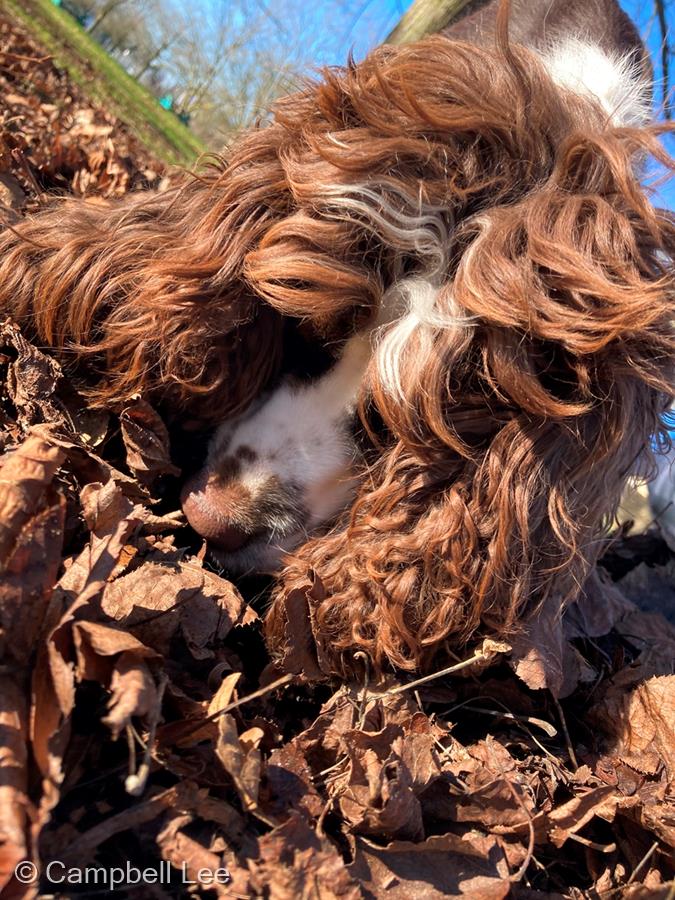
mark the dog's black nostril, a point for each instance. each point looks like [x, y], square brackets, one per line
[208, 506]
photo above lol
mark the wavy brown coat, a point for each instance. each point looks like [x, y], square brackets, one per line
[499, 470]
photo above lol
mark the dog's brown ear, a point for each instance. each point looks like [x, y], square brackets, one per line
[572, 290]
[574, 286]
[146, 295]
[514, 441]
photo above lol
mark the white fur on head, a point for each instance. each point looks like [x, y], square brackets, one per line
[429, 309]
[615, 80]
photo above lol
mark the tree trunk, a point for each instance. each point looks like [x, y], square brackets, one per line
[155, 56]
[424, 17]
[104, 13]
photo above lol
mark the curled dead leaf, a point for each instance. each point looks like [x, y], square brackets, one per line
[191, 858]
[170, 595]
[375, 792]
[14, 802]
[241, 758]
[472, 866]
[293, 861]
[146, 439]
[571, 817]
[132, 690]
[640, 724]
[24, 475]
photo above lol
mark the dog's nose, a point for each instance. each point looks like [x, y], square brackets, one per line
[210, 507]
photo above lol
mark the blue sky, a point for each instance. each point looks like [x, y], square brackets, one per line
[362, 25]
[642, 12]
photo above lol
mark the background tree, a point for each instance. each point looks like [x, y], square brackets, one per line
[223, 62]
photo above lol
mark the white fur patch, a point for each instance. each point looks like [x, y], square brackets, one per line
[424, 317]
[401, 221]
[613, 79]
[417, 228]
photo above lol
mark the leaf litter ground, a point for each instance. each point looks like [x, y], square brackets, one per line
[141, 720]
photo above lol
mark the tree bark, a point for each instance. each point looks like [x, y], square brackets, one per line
[104, 13]
[424, 17]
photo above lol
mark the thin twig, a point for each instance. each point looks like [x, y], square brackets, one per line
[602, 848]
[643, 862]
[568, 740]
[254, 696]
[131, 747]
[540, 723]
[399, 689]
[318, 829]
[196, 725]
[135, 783]
[22, 58]
[520, 872]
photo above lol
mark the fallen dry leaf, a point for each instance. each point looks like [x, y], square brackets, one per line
[132, 690]
[29, 575]
[301, 654]
[241, 758]
[538, 652]
[294, 862]
[640, 725]
[24, 475]
[14, 802]
[375, 795]
[288, 786]
[169, 594]
[569, 818]
[41, 395]
[471, 866]
[146, 439]
[483, 785]
[191, 858]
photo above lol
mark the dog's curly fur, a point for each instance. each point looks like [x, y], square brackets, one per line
[504, 448]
